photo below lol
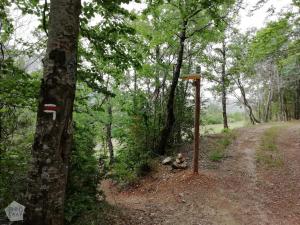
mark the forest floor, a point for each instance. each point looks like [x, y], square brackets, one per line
[237, 190]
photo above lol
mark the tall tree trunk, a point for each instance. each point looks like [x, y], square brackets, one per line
[135, 89]
[286, 111]
[246, 103]
[156, 101]
[223, 81]
[108, 133]
[269, 100]
[165, 133]
[280, 97]
[53, 136]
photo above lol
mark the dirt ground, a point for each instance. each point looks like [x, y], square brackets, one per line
[236, 191]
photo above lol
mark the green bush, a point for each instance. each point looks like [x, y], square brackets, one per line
[14, 160]
[133, 158]
[216, 155]
[83, 170]
[236, 116]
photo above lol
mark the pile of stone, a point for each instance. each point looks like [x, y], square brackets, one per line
[179, 163]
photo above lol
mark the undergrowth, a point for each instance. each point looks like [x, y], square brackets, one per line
[218, 150]
[268, 153]
[102, 214]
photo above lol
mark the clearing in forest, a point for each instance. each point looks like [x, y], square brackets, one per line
[245, 188]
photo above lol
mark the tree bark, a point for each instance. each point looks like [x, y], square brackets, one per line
[166, 131]
[223, 81]
[53, 137]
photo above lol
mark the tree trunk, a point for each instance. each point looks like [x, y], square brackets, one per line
[156, 102]
[286, 111]
[246, 103]
[108, 134]
[165, 133]
[197, 127]
[223, 80]
[53, 136]
[269, 100]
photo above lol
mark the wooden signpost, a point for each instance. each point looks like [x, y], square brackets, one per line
[196, 78]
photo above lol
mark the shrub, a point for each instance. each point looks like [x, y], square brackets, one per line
[83, 170]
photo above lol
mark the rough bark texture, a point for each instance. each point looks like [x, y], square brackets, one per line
[166, 131]
[53, 138]
[223, 81]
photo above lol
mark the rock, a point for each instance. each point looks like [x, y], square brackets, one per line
[179, 161]
[100, 198]
[167, 161]
[179, 156]
[176, 165]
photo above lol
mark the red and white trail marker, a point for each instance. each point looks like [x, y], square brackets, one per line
[51, 108]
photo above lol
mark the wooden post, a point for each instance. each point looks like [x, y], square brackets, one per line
[197, 126]
[196, 78]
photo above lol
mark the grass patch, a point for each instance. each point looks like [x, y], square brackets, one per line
[218, 128]
[268, 153]
[218, 151]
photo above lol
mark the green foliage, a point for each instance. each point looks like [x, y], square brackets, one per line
[134, 154]
[269, 40]
[83, 169]
[212, 114]
[15, 159]
[236, 116]
[18, 91]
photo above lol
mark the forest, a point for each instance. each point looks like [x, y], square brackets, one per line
[150, 112]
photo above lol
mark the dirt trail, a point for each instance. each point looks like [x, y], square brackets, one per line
[238, 192]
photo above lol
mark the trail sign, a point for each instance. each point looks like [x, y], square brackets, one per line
[14, 211]
[51, 108]
[196, 77]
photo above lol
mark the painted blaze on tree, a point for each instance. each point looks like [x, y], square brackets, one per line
[53, 137]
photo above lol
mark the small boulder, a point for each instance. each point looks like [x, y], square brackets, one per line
[179, 160]
[182, 165]
[179, 156]
[167, 161]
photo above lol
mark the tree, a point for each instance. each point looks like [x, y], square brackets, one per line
[195, 18]
[217, 66]
[53, 137]
[241, 69]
